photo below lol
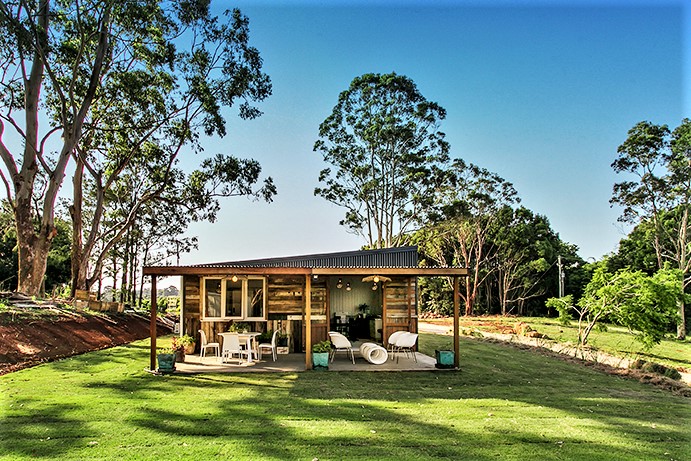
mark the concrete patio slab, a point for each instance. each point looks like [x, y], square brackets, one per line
[296, 362]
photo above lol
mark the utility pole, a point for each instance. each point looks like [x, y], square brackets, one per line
[562, 276]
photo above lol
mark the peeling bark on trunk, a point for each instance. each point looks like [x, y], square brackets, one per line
[33, 251]
[78, 276]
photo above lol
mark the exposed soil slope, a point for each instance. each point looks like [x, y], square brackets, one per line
[27, 340]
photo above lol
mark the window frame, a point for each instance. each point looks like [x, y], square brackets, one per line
[204, 298]
[246, 308]
[245, 304]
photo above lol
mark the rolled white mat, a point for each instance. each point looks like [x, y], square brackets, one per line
[374, 353]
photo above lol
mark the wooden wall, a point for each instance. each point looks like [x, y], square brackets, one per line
[285, 303]
[400, 300]
[285, 298]
[285, 295]
[191, 308]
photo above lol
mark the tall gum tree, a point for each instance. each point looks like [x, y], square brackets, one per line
[387, 153]
[460, 231]
[109, 83]
[659, 160]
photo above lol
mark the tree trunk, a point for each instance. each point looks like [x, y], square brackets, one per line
[681, 325]
[115, 279]
[124, 287]
[32, 249]
[77, 254]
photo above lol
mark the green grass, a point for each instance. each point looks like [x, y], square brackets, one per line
[615, 340]
[504, 404]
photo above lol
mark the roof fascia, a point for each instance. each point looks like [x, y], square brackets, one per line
[200, 270]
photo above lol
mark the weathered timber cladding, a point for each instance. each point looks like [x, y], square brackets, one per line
[319, 333]
[401, 305]
[285, 295]
[319, 297]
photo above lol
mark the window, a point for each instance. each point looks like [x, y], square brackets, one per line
[255, 298]
[212, 298]
[244, 298]
[233, 298]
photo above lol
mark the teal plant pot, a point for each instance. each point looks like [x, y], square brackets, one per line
[166, 363]
[444, 359]
[320, 359]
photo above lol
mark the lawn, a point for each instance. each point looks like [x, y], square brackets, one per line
[613, 339]
[504, 404]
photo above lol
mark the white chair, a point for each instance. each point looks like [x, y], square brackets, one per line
[231, 347]
[406, 343]
[206, 345]
[340, 343]
[270, 346]
[391, 342]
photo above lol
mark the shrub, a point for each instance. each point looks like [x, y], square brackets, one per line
[323, 346]
[658, 369]
[652, 367]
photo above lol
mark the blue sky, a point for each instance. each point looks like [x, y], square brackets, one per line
[541, 93]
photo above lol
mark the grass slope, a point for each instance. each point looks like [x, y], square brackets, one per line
[504, 404]
[613, 339]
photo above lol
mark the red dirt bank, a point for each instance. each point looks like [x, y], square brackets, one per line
[29, 342]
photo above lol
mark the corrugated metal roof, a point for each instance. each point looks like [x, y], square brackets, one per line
[403, 257]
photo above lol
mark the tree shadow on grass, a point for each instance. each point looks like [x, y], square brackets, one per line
[48, 432]
[368, 416]
[505, 403]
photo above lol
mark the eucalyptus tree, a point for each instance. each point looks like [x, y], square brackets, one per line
[384, 144]
[58, 261]
[108, 84]
[460, 233]
[527, 248]
[140, 202]
[660, 162]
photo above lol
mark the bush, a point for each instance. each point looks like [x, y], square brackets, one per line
[658, 369]
[323, 346]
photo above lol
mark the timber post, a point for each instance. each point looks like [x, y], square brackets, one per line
[308, 322]
[456, 308]
[152, 324]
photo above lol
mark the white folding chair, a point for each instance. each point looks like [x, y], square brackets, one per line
[271, 346]
[206, 345]
[340, 343]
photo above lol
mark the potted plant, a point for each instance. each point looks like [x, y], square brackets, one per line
[320, 354]
[282, 341]
[187, 342]
[239, 327]
[265, 337]
[166, 361]
[178, 350]
[445, 358]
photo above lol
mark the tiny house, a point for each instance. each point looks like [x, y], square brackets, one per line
[367, 295]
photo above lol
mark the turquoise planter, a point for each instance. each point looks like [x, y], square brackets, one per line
[444, 359]
[320, 359]
[166, 363]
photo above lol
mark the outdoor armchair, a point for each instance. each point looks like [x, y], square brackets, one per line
[406, 343]
[391, 342]
[341, 343]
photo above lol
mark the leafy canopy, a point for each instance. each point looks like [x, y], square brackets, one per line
[645, 304]
[386, 151]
